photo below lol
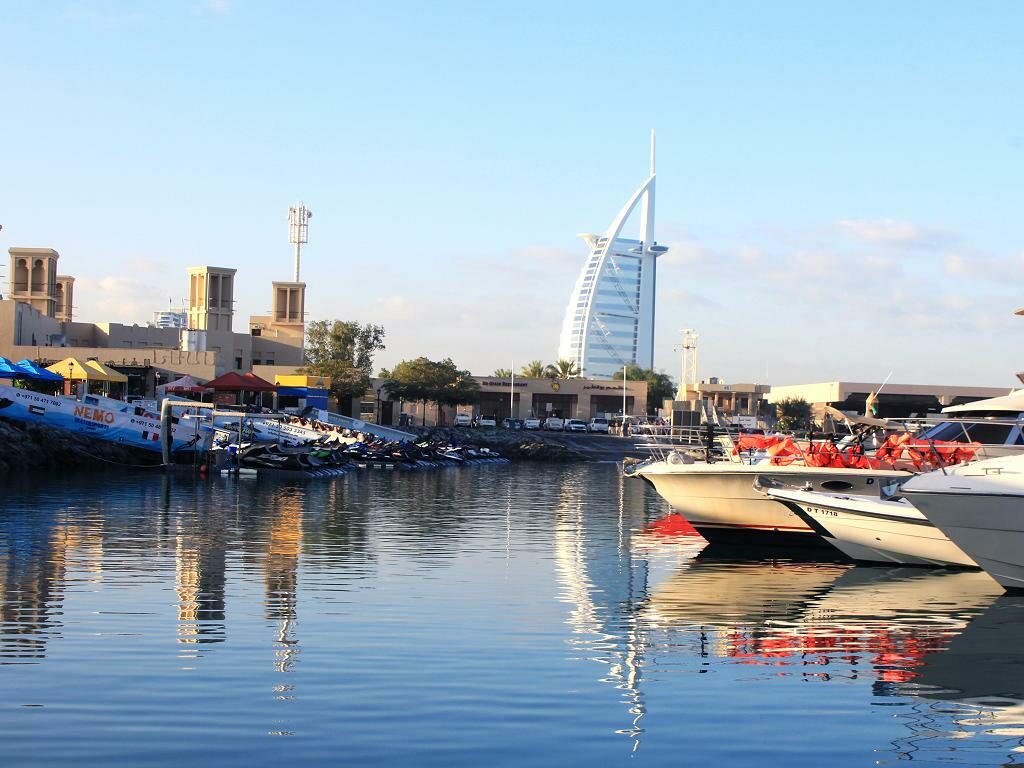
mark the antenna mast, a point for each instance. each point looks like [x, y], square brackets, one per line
[688, 374]
[298, 230]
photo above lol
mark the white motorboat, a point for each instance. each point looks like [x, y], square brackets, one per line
[980, 507]
[883, 529]
[722, 502]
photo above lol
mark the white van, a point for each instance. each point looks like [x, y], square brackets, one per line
[463, 420]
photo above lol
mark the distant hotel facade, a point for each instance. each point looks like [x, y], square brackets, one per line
[609, 322]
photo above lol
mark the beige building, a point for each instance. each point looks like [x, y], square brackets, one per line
[743, 399]
[520, 398]
[895, 400]
[36, 322]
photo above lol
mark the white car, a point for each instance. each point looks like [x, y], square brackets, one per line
[598, 425]
[575, 425]
[486, 421]
[553, 424]
[463, 420]
[531, 423]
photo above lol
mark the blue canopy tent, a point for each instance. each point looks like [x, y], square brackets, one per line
[30, 370]
[9, 370]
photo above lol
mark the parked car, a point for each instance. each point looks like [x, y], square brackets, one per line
[531, 423]
[575, 425]
[512, 423]
[486, 421]
[463, 420]
[598, 425]
[553, 423]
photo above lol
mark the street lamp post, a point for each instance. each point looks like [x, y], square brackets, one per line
[71, 377]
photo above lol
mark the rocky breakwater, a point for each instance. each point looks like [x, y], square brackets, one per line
[514, 445]
[28, 447]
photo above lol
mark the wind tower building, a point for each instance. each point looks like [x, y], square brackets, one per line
[609, 322]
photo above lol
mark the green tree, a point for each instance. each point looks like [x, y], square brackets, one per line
[344, 351]
[533, 370]
[660, 386]
[562, 369]
[793, 413]
[502, 373]
[423, 380]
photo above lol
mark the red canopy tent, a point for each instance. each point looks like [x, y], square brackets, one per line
[238, 383]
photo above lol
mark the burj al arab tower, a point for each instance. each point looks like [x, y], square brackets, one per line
[609, 322]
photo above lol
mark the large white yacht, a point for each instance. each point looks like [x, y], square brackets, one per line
[980, 507]
[882, 529]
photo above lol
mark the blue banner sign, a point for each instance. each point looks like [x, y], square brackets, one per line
[94, 416]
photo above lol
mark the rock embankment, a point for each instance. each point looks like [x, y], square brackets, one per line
[512, 445]
[28, 447]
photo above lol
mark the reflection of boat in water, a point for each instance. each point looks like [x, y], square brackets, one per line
[970, 697]
[815, 616]
[730, 594]
[984, 663]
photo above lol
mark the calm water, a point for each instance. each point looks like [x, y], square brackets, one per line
[494, 615]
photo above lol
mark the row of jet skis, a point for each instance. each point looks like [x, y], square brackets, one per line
[335, 458]
[910, 500]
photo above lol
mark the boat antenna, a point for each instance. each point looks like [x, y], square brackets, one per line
[872, 398]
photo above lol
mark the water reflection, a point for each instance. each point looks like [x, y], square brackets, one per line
[396, 589]
[32, 567]
[972, 693]
[281, 566]
[200, 556]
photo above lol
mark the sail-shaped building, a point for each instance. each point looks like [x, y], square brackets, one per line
[609, 322]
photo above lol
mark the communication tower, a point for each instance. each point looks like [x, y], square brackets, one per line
[298, 230]
[688, 374]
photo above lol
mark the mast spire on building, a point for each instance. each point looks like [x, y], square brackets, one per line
[298, 230]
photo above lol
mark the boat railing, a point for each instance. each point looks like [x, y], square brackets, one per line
[718, 443]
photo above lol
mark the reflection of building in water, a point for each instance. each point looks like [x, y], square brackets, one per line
[284, 544]
[33, 560]
[200, 560]
[602, 580]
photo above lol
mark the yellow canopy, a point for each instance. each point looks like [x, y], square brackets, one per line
[106, 370]
[74, 369]
[302, 380]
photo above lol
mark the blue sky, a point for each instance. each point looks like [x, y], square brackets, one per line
[840, 186]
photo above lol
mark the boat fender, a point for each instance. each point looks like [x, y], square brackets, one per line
[679, 458]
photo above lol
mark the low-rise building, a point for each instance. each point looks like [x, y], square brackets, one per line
[894, 400]
[36, 323]
[518, 398]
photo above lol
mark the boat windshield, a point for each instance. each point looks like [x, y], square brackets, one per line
[978, 432]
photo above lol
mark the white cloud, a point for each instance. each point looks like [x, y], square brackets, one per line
[117, 298]
[894, 233]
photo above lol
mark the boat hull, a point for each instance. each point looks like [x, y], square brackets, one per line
[872, 530]
[726, 502]
[988, 527]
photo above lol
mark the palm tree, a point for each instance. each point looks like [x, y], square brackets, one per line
[533, 370]
[563, 369]
[502, 373]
